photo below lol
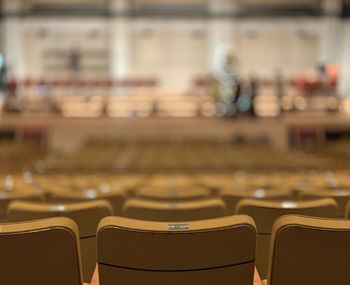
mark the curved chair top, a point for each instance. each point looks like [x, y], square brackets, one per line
[174, 211]
[87, 215]
[265, 213]
[173, 194]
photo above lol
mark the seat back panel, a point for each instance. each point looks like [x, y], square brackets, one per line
[41, 256]
[176, 250]
[265, 213]
[320, 254]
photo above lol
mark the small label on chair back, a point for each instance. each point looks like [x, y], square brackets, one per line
[178, 227]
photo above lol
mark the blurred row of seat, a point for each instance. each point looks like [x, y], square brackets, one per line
[122, 198]
[152, 154]
[303, 250]
[239, 180]
[156, 199]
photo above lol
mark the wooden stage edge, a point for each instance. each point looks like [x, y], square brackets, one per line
[68, 134]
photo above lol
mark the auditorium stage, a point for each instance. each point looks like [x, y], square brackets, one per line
[60, 134]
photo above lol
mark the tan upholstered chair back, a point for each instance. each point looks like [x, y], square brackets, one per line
[265, 214]
[232, 198]
[347, 216]
[7, 197]
[173, 195]
[40, 252]
[87, 216]
[309, 251]
[115, 198]
[168, 212]
[342, 197]
[219, 251]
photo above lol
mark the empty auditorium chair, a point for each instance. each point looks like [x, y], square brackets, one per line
[173, 194]
[309, 251]
[232, 198]
[87, 216]
[7, 197]
[40, 252]
[180, 211]
[219, 251]
[265, 214]
[115, 198]
[341, 196]
[347, 215]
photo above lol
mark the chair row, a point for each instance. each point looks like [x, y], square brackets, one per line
[263, 212]
[88, 214]
[119, 199]
[303, 250]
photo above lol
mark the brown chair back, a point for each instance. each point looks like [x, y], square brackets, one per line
[173, 194]
[232, 198]
[309, 251]
[40, 252]
[7, 197]
[115, 198]
[172, 212]
[219, 251]
[87, 216]
[341, 196]
[265, 214]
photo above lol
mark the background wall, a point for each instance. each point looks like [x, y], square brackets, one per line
[48, 45]
[175, 50]
[289, 46]
[344, 59]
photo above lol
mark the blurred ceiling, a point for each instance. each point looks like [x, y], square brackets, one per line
[280, 2]
[165, 8]
[184, 2]
[346, 8]
[280, 7]
[66, 7]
